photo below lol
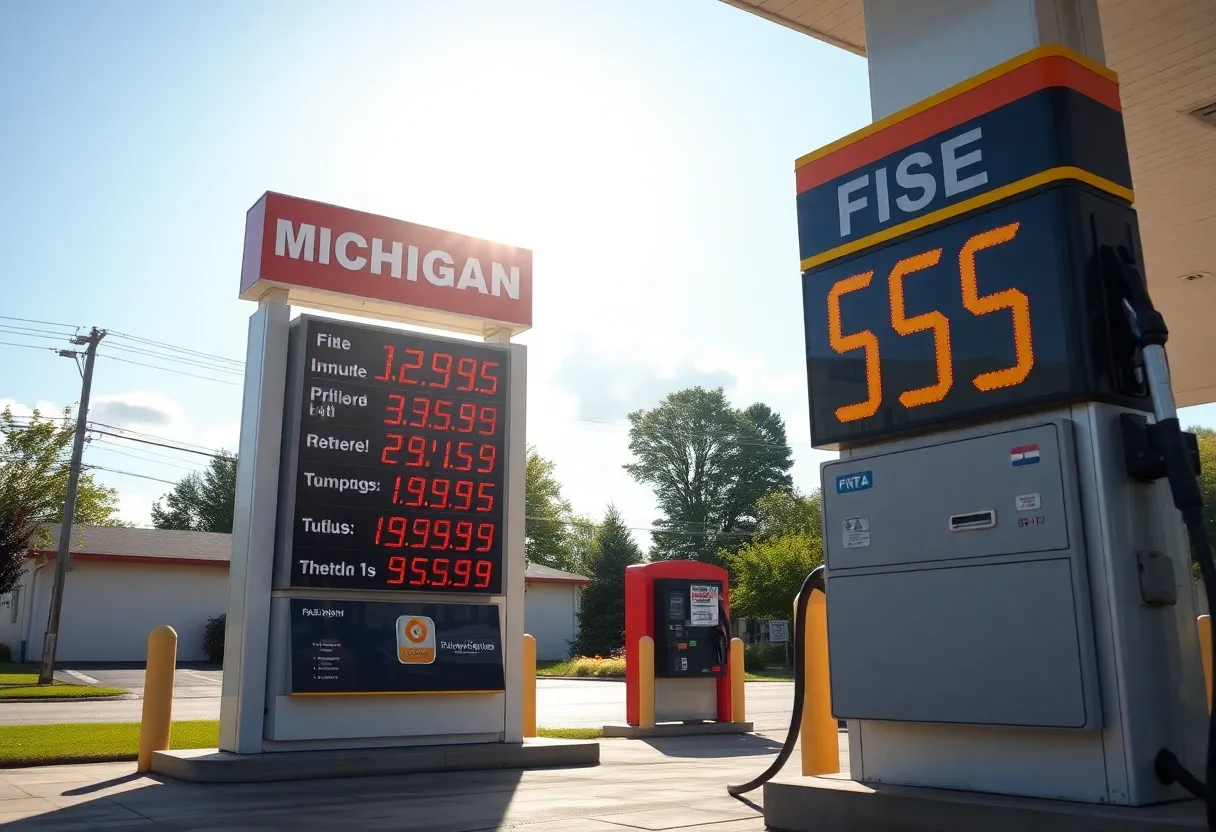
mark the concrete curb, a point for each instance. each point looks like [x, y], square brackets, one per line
[210, 765]
[59, 700]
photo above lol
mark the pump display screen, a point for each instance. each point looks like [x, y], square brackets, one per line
[402, 446]
[964, 320]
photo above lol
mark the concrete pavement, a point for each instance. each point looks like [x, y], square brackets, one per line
[652, 785]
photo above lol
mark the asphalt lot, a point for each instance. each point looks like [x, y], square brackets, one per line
[560, 703]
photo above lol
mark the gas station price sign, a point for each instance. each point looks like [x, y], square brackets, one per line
[399, 460]
[1000, 310]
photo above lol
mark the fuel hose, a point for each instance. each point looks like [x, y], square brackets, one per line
[813, 581]
[1150, 334]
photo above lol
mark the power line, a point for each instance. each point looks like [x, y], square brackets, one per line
[73, 327]
[113, 448]
[127, 473]
[177, 348]
[170, 370]
[27, 346]
[158, 444]
[184, 445]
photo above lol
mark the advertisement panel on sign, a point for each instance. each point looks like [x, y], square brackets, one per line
[334, 258]
[390, 647]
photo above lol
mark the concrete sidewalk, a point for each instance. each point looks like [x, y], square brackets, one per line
[652, 785]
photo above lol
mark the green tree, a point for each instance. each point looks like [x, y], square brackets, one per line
[709, 464]
[201, 502]
[546, 529]
[35, 457]
[1207, 481]
[582, 534]
[601, 623]
[767, 573]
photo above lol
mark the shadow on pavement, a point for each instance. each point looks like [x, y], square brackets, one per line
[453, 802]
[733, 745]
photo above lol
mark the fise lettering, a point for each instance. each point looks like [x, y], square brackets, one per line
[341, 483]
[914, 179]
[322, 401]
[327, 526]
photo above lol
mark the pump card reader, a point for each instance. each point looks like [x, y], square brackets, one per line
[690, 633]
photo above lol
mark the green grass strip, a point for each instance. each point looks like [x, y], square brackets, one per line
[571, 733]
[34, 745]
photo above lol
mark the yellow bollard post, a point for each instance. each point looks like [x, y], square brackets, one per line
[645, 682]
[820, 731]
[738, 708]
[155, 725]
[1205, 650]
[529, 686]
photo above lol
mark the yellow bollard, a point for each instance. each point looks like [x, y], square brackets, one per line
[820, 731]
[1205, 650]
[645, 682]
[738, 708]
[157, 720]
[529, 686]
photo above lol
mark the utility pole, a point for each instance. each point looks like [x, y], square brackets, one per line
[46, 673]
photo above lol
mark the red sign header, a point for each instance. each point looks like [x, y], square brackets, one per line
[350, 261]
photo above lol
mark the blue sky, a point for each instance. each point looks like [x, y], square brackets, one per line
[643, 150]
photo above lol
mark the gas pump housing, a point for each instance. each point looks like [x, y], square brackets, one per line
[684, 606]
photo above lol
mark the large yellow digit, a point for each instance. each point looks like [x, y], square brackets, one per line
[863, 340]
[934, 321]
[1015, 301]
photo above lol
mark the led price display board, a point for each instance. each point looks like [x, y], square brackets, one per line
[1000, 310]
[400, 454]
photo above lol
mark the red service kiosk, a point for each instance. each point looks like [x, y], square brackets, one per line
[684, 606]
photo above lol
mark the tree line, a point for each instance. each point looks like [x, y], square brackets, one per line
[720, 476]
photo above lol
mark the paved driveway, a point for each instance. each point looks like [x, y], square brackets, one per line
[560, 703]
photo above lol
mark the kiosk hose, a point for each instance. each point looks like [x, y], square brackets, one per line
[813, 581]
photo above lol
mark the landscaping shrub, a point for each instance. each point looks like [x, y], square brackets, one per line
[213, 639]
[759, 656]
[6, 653]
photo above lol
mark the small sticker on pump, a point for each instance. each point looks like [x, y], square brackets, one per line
[1028, 502]
[856, 532]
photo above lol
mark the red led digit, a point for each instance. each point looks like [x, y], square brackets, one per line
[483, 570]
[396, 494]
[488, 416]
[486, 454]
[466, 368]
[483, 493]
[392, 444]
[464, 490]
[410, 364]
[464, 536]
[396, 526]
[388, 363]
[396, 408]
[446, 370]
[443, 528]
[487, 376]
[439, 491]
[485, 537]
[420, 416]
[417, 447]
[416, 487]
[439, 572]
[447, 454]
[396, 565]
[422, 528]
[468, 415]
[418, 567]
[445, 414]
[462, 454]
[380, 526]
[463, 569]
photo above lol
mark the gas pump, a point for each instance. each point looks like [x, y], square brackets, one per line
[684, 607]
[1009, 593]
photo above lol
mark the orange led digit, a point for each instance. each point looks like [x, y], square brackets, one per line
[862, 340]
[1015, 301]
[934, 321]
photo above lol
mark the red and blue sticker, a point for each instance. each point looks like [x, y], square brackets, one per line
[1024, 455]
